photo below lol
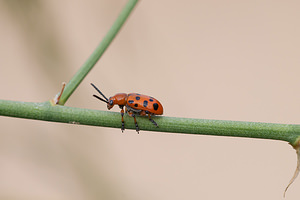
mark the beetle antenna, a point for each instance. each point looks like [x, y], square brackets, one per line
[100, 98]
[100, 93]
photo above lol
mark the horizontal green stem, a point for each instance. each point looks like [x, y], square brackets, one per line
[46, 112]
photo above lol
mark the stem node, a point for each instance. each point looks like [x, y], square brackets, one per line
[55, 100]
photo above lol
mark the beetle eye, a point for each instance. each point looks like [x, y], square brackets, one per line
[111, 102]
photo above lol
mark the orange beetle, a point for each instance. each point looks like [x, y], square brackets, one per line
[135, 104]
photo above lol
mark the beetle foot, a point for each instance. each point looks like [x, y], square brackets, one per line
[123, 127]
[137, 128]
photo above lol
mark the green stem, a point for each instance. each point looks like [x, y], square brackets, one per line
[46, 112]
[92, 60]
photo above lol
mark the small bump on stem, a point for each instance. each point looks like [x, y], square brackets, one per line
[55, 100]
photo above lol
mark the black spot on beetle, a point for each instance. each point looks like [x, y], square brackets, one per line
[136, 105]
[137, 98]
[130, 101]
[155, 106]
[151, 100]
[145, 103]
[138, 94]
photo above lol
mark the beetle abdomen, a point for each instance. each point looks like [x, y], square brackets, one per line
[144, 102]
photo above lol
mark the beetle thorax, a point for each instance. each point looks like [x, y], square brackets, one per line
[118, 99]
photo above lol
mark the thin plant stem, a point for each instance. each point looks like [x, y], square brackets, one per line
[46, 112]
[98, 52]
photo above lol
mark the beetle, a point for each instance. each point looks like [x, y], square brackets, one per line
[135, 104]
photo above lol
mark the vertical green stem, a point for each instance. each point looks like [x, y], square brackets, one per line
[92, 60]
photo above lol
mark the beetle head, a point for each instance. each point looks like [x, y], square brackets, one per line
[110, 103]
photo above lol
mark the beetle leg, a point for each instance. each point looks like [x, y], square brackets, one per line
[144, 112]
[136, 125]
[149, 116]
[135, 122]
[123, 124]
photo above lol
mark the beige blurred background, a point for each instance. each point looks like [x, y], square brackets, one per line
[227, 60]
